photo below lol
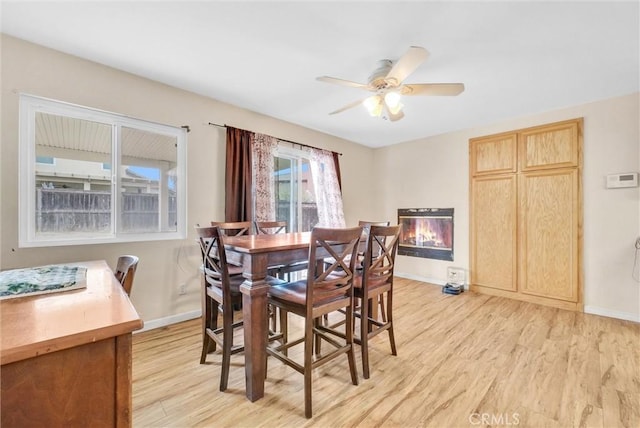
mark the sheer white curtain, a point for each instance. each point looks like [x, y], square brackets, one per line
[262, 154]
[327, 187]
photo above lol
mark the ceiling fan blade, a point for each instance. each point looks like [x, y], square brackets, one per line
[407, 64]
[347, 107]
[433, 89]
[342, 82]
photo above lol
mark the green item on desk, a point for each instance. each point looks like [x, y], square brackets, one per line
[40, 280]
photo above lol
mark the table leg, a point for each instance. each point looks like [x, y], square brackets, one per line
[254, 312]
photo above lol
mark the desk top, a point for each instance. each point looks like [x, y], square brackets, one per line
[31, 326]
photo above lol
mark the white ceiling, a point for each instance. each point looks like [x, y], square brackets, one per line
[515, 58]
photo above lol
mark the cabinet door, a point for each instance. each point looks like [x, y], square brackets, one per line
[493, 232]
[493, 155]
[548, 244]
[550, 146]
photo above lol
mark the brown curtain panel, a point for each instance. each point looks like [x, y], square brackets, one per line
[336, 161]
[237, 201]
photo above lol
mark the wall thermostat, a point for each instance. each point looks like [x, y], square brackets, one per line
[627, 179]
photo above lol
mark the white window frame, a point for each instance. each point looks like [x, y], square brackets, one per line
[29, 106]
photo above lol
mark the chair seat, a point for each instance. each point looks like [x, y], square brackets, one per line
[295, 292]
[234, 285]
[375, 284]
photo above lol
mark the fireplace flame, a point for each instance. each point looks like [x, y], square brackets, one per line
[423, 236]
[427, 232]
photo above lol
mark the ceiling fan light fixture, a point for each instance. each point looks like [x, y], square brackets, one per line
[373, 105]
[392, 99]
[397, 109]
[386, 83]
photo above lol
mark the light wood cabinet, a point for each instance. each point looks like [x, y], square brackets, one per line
[493, 155]
[550, 146]
[494, 223]
[548, 244]
[526, 213]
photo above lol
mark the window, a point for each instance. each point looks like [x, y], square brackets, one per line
[88, 176]
[294, 191]
[44, 159]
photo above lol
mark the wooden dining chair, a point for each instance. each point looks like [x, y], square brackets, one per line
[233, 228]
[274, 227]
[125, 271]
[322, 292]
[279, 271]
[367, 226]
[220, 294]
[220, 291]
[375, 281]
[271, 227]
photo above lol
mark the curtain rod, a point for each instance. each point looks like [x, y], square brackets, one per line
[282, 139]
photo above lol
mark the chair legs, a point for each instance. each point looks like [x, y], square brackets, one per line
[382, 311]
[392, 339]
[308, 365]
[313, 330]
[212, 335]
[370, 327]
[284, 330]
[365, 329]
[350, 353]
[209, 321]
[312, 342]
[227, 343]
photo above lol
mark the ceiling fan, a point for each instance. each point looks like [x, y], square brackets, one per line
[386, 84]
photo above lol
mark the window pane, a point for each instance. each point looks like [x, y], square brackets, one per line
[73, 191]
[148, 181]
[295, 194]
[282, 180]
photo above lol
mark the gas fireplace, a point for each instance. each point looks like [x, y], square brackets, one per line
[426, 232]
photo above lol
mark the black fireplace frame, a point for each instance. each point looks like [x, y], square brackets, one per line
[425, 252]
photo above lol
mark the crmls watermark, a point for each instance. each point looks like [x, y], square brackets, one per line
[494, 419]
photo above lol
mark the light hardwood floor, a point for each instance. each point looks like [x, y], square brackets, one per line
[467, 360]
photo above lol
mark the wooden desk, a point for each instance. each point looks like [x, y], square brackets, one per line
[66, 356]
[256, 253]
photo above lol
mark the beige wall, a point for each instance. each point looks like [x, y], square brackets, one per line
[433, 172]
[164, 265]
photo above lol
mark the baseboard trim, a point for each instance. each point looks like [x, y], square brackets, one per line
[172, 319]
[419, 278]
[432, 281]
[595, 310]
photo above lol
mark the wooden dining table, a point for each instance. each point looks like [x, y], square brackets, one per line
[256, 253]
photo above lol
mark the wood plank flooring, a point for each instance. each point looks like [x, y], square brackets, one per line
[468, 360]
